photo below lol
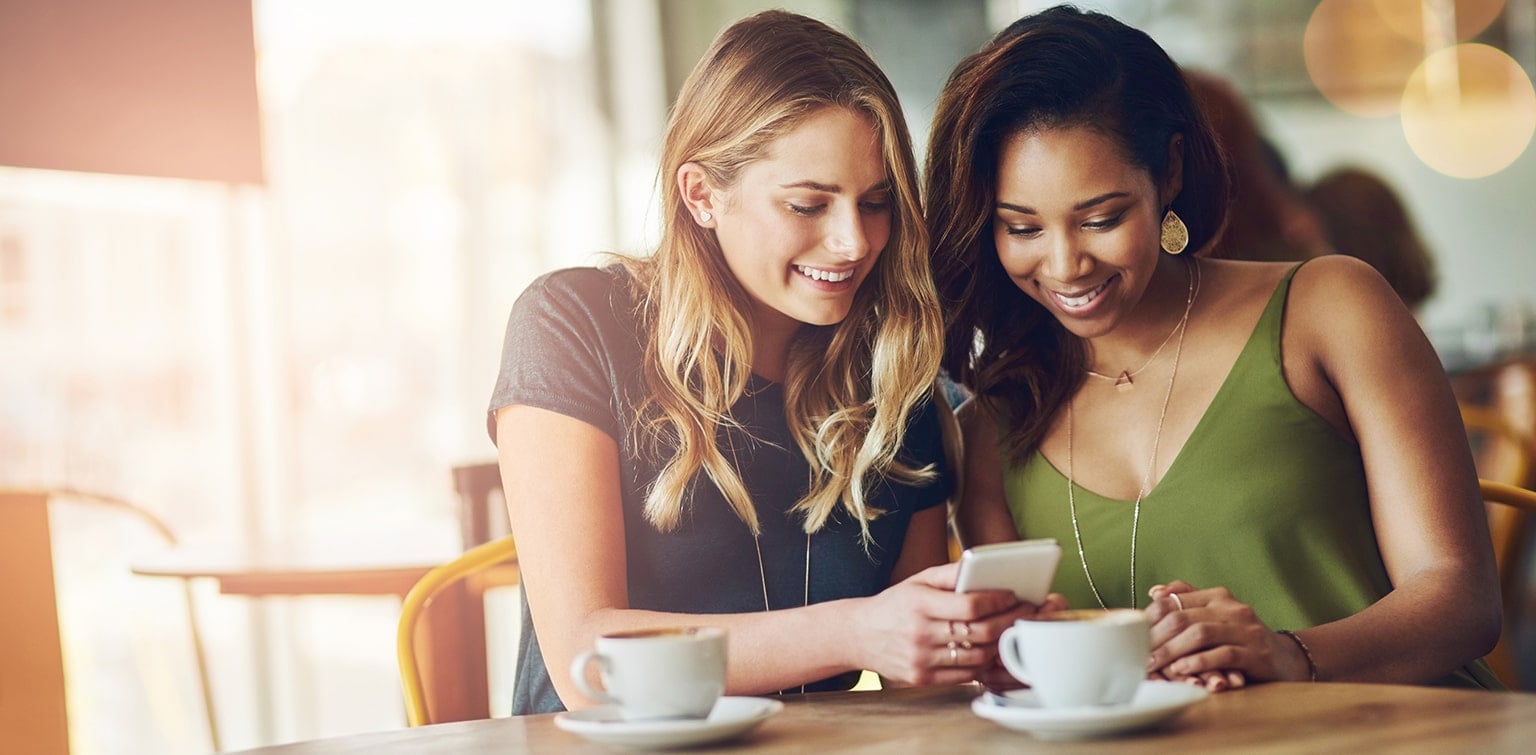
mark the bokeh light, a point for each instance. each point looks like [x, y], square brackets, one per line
[1355, 60]
[1408, 17]
[1469, 111]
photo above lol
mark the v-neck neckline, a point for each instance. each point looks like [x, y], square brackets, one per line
[1196, 435]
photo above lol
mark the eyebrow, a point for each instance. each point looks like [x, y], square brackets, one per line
[832, 188]
[1083, 205]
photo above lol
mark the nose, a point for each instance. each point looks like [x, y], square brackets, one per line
[1065, 261]
[846, 235]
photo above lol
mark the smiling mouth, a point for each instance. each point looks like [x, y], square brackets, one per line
[1081, 300]
[823, 275]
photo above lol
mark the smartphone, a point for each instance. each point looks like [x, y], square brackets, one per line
[1027, 567]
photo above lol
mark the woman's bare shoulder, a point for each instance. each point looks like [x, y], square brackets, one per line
[1342, 313]
[1245, 277]
[1234, 292]
[1339, 291]
[1325, 287]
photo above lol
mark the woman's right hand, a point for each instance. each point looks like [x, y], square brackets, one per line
[904, 633]
[1214, 680]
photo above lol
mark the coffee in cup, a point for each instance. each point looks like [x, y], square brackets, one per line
[1079, 658]
[671, 672]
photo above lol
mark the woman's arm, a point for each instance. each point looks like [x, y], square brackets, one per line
[1428, 513]
[563, 497]
[926, 543]
[1354, 354]
[982, 515]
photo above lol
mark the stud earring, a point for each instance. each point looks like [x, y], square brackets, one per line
[1175, 235]
[704, 216]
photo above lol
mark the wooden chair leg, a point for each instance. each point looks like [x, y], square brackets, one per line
[451, 648]
[33, 713]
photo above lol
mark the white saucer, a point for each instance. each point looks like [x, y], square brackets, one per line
[1154, 702]
[730, 716]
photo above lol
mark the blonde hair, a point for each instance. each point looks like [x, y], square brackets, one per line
[850, 388]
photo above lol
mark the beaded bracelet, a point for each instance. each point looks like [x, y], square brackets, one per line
[1305, 653]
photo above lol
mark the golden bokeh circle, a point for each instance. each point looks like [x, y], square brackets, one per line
[1469, 111]
[1406, 17]
[1355, 60]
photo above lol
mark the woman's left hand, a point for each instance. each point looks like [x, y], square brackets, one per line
[1211, 638]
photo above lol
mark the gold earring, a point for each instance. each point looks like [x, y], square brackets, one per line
[1175, 235]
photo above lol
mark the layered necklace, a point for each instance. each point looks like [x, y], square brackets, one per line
[762, 574]
[1123, 381]
[1146, 482]
[757, 544]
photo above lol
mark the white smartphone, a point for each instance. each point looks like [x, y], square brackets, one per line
[1027, 567]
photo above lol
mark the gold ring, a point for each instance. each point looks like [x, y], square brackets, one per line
[954, 654]
[1176, 600]
[966, 644]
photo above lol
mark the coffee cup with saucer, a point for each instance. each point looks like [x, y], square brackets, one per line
[658, 673]
[1087, 675]
[660, 688]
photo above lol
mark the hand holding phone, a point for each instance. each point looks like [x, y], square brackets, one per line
[1027, 567]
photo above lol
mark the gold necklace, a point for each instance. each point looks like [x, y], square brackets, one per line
[1123, 381]
[747, 391]
[1157, 437]
[757, 543]
[763, 575]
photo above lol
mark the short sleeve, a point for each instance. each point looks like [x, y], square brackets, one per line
[564, 340]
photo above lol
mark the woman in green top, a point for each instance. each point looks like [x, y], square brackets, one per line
[1243, 449]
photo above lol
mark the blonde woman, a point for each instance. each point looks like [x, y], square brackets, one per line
[737, 431]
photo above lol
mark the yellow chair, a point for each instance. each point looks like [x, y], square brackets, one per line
[444, 677]
[33, 708]
[1505, 458]
[1502, 451]
[1519, 503]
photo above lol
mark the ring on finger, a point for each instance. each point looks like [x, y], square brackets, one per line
[965, 628]
[1176, 600]
[954, 654]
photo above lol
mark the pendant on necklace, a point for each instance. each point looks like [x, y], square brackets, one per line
[1123, 383]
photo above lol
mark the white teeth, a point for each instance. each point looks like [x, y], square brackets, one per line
[1081, 301]
[824, 275]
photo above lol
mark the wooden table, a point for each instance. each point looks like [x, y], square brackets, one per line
[453, 627]
[258, 570]
[1286, 717]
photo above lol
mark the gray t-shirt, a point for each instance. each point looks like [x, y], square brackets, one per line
[573, 346]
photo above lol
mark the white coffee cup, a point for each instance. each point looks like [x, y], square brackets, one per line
[671, 672]
[1079, 658]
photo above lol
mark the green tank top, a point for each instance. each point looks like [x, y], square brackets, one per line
[1265, 498]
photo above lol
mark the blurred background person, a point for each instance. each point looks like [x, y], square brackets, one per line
[1362, 216]
[1268, 219]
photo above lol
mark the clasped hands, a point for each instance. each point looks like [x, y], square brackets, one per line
[1210, 638]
